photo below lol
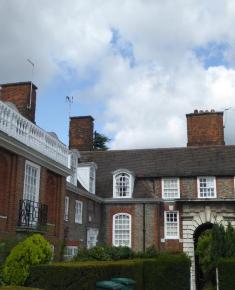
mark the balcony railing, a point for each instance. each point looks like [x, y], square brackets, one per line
[20, 128]
[32, 214]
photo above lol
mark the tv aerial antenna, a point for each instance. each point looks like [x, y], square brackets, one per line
[69, 100]
[31, 86]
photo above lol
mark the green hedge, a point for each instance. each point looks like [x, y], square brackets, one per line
[226, 268]
[17, 288]
[83, 275]
[167, 272]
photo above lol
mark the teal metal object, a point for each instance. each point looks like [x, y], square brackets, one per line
[103, 285]
[126, 282]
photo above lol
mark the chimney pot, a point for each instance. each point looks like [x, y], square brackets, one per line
[196, 111]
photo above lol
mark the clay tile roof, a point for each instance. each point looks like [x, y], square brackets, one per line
[162, 162]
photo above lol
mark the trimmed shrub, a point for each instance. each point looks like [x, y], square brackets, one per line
[32, 251]
[226, 268]
[104, 253]
[84, 275]
[17, 288]
[167, 272]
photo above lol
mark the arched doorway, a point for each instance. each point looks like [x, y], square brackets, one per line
[199, 277]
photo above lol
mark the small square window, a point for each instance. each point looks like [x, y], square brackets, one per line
[170, 188]
[206, 187]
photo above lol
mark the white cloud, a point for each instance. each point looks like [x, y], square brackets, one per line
[145, 104]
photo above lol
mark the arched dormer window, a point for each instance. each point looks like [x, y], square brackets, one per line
[123, 181]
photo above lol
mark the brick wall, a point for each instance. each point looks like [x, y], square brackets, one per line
[76, 234]
[19, 95]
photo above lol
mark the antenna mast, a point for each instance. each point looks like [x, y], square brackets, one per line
[31, 86]
[69, 100]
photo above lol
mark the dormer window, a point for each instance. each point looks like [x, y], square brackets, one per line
[86, 174]
[123, 182]
[73, 164]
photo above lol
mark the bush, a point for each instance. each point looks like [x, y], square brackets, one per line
[104, 253]
[17, 288]
[6, 245]
[167, 272]
[32, 251]
[84, 275]
[226, 268]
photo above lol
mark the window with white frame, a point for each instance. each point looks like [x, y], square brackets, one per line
[70, 252]
[206, 186]
[122, 230]
[171, 225]
[170, 187]
[78, 212]
[31, 181]
[66, 208]
[122, 184]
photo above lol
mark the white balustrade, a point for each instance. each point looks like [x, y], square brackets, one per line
[20, 128]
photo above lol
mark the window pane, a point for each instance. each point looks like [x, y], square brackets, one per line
[171, 187]
[123, 185]
[122, 230]
[171, 224]
[207, 187]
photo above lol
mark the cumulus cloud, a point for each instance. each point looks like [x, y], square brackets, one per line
[149, 62]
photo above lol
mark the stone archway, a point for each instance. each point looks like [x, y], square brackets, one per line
[199, 279]
[193, 217]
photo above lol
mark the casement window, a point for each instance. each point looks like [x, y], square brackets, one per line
[78, 212]
[206, 187]
[171, 188]
[122, 184]
[171, 224]
[122, 230]
[70, 252]
[66, 208]
[31, 181]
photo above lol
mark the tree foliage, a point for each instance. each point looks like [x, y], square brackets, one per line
[100, 141]
[215, 244]
[34, 250]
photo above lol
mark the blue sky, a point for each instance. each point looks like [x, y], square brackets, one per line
[136, 66]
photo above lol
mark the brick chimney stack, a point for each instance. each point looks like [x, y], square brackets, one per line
[205, 128]
[81, 133]
[23, 96]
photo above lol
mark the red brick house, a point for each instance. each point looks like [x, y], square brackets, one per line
[164, 197]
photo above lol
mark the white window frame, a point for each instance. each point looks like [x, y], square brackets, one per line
[163, 187]
[66, 208]
[77, 215]
[129, 229]
[130, 184]
[198, 187]
[74, 250]
[167, 237]
[37, 186]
